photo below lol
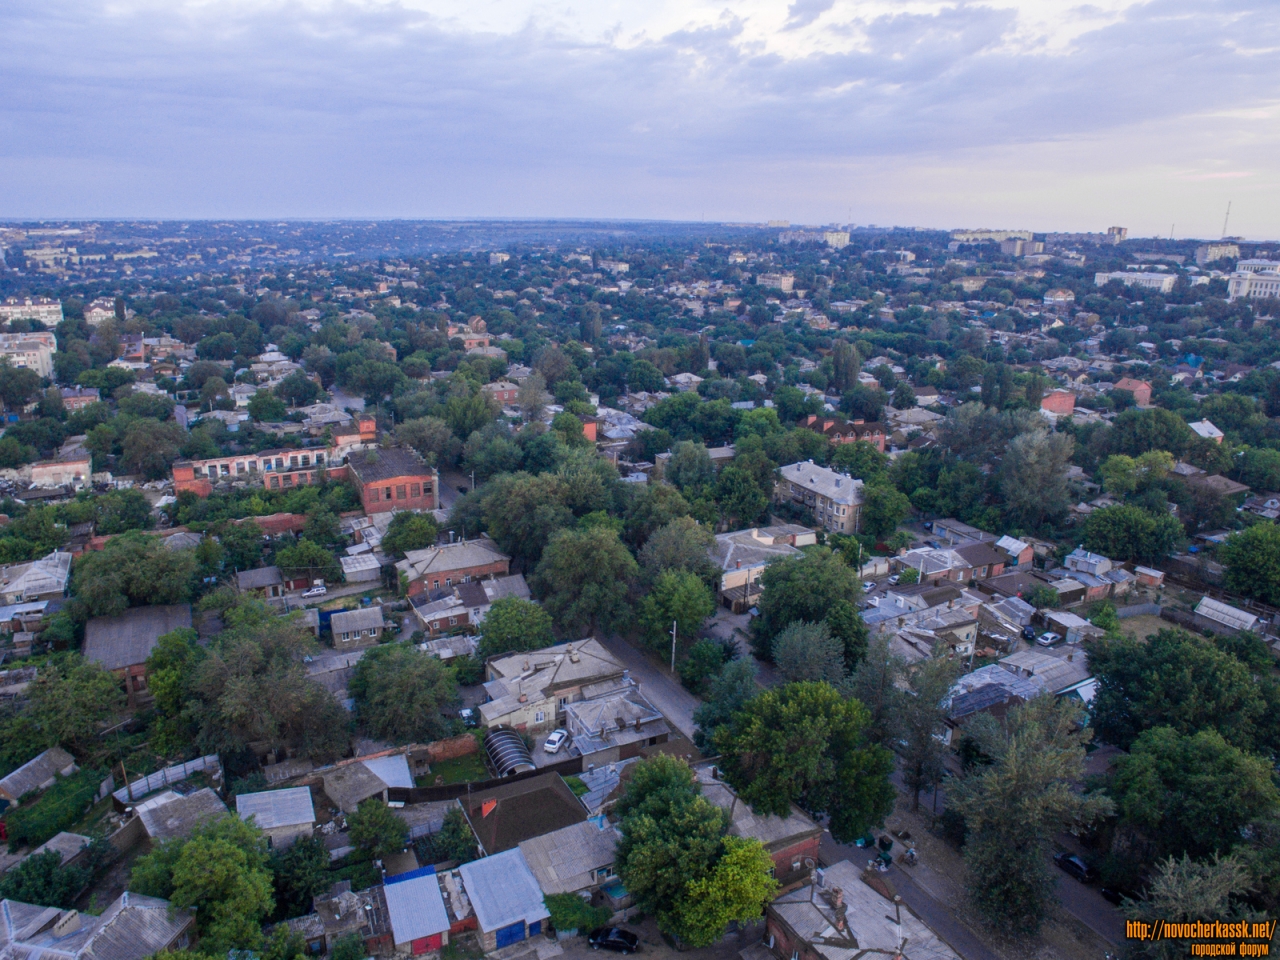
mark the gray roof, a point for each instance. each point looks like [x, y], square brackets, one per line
[834, 486]
[566, 860]
[387, 464]
[277, 808]
[180, 816]
[502, 587]
[259, 578]
[750, 548]
[745, 822]
[503, 890]
[40, 770]
[127, 640]
[392, 770]
[415, 908]
[131, 928]
[49, 574]
[351, 783]
[1225, 614]
[349, 621]
[446, 557]
[66, 845]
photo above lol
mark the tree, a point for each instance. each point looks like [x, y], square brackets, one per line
[1184, 891]
[801, 588]
[643, 376]
[584, 578]
[453, 841]
[532, 397]
[298, 390]
[923, 713]
[1173, 679]
[735, 890]
[656, 506]
[310, 560]
[150, 448]
[14, 454]
[1252, 559]
[570, 912]
[681, 544]
[1042, 597]
[729, 690]
[1136, 431]
[845, 366]
[904, 398]
[1034, 476]
[17, 384]
[300, 872]
[222, 869]
[409, 531]
[1014, 807]
[432, 438]
[860, 460]
[875, 684]
[1130, 533]
[513, 625]
[376, 830]
[803, 743]
[690, 467]
[265, 406]
[132, 569]
[704, 662]
[883, 508]
[1119, 474]
[680, 597]
[1192, 795]
[741, 500]
[807, 651]
[72, 699]
[400, 692]
[522, 513]
[43, 880]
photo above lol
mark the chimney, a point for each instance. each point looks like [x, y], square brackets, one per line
[739, 567]
[69, 922]
[1071, 656]
[524, 698]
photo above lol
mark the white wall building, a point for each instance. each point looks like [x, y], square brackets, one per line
[1253, 285]
[47, 311]
[1160, 282]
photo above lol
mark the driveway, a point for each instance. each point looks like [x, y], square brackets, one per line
[657, 684]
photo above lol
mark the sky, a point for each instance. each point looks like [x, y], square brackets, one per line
[1018, 114]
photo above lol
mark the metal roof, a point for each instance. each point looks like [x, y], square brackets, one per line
[277, 808]
[415, 908]
[392, 770]
[503, 890]
[1226, 615]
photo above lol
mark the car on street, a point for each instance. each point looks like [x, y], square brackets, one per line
[615, 939]
[1075, 867]
[893, 580]
[557, 740]
[314, 592]
[868, 586]
[1048, 639]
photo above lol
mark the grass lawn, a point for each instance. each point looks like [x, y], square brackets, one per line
[459, 770]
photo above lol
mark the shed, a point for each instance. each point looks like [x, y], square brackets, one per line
[361, 567]
[1221, 617]
[351, 784]
[283, 815]
[506, 897]
[419, 921]
[180, 816]
[37, 774]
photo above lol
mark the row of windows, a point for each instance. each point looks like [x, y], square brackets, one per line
[292, 462]
[411, 491]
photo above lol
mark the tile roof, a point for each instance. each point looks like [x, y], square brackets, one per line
[277, 808]
[128, 639]
[503, 890]
[415, 908]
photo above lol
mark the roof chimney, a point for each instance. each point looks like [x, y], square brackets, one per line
[69, 922]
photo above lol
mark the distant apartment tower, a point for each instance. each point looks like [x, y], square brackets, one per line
[836, 239]
[786, 282]
[498, 258]
[1212, 252]
[1160, 282]
[1020, 248]
[1117, 234]
[780, 223]
[48, 312]
[989, 236]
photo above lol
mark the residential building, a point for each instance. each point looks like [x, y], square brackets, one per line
[1258, 266]
[743, 554]
[505, 816]
[48, 312]
[132, 927]
[76, 398]
[99, 310]
[27, 353]
[1253, 285]
[443, 565]
[1082, 561]
[1059, 298]
[43, 579]
[1057, 673]
[122, 643]
[340, 912]
[175, 816]
[835, 499]
[504, 391]
[498, 257]
[1140, 389]
[989, 236]
[283, 815]
[263, 581]
[72, 471]
[1205, 429]
[395, 478]
[615, 724]
[1159, 282]
[840, 430]
[36, 775]
[1060, 403]
[272, 469]
[684, 382]
[984, 557]
[575, 859]
[1212, 252]
[529, 691]
[506, 898]
[357, 628]
[991, 689]
[416, 913]
[1220, 617]
[785, 282]
[836, 239]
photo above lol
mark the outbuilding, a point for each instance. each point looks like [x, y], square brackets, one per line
[283, 815]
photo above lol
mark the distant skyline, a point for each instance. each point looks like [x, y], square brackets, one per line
[1011, 113]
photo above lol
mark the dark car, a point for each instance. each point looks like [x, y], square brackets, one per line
[1112, 896]
[1075, 867]
[1029, 634]
[615, 939]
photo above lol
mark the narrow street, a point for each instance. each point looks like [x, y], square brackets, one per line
[661, 688]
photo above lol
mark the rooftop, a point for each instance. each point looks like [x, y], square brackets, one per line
[503, 890]
[566, 860]
[415, 908]
[36, 772]
[182, 815]
[364, 618]
[836, 487]
[131, 928]
[750, 548]
[277, 808]
[127, 640]
[446, 557]
[387, 463]
[503, 816]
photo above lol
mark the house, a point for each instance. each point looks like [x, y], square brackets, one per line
[360, 567]
[502, 817]
[615, 724]
[506, 898]
[1220, 617]
[133, 927]
[283, 815]
[951, 531]
[841, 916]
[440, 611]
[1060, 403]
[1070, 627]
[36, 775]
[791, 841]
[834, 499]
[504, 391]
[743, 554]
[1056, 673]
[838, 430]
[1140, 389]
[684, 382]
[357, 628]
[43, 579]
[985, 558]
[395, 478]
[1082, 561]
[1218, 485]
[172, 815]
[339, 912]
[1205, 429]
[573, 859]
[445, 564]
[77, 398]
[991, 689]
[529, 691]
[932, 565]
[122, 643]
[68, 846]
[416, 912]
[351, 783]
[263, 581]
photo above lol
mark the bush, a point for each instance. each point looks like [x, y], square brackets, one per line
[570, 912]
[38, 819]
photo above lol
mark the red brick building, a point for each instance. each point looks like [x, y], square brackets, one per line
[1140, 389]
[504, 391]
[839, 430]
[395, 478]
[446, 564]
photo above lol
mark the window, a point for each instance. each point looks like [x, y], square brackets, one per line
[415, 490]
[400, 492]
[563, 701]
[453, 621]
[275, 483]
[435, 584]
[448, 581]
[293, 462]
[386, 493]
[373, 494]
[539, 717]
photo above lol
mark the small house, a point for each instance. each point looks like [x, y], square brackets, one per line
[263, 581]
[283, 815]
[36, 775]
[506, 898]
[416, 912]
[357, 628]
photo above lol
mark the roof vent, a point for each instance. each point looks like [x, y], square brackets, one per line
[524, 698]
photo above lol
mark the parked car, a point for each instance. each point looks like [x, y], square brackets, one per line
[1029, 634]
[468, 717]
[893, 580]
[557, 740]
[1074, 866]
[314, 592]
[615, 939]
[1111, 896]
[868, 586]
[1048, 639]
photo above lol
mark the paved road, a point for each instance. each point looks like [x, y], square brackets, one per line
[657, 683]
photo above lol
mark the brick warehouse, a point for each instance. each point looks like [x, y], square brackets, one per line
[395, 478]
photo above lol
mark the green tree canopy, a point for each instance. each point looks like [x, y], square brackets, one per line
[584, 579]
[1131, 533]
[376, 830]
[132, 570]
[409, 531]
[807, 651]
[802, 588]
[400, 692]
[308, 559]
[1252, 559]
[513, 625]
[677, 597]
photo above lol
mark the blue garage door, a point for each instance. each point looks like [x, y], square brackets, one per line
[512, 934]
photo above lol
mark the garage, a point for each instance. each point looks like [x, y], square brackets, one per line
[514, 933]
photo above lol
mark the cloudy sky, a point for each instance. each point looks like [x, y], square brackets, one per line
[1033, 114]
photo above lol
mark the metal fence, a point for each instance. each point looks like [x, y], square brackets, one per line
[162, 778]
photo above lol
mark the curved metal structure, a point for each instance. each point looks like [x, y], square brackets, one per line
[507, 752]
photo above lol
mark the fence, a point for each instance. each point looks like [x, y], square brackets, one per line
[1139, 610]
[452, 791]
[162, 778]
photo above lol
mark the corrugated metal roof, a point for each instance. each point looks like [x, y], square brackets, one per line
[277, 808]
[393, 770]
[503, 890]
[1226, 615]
[35, 772]
[415, 908]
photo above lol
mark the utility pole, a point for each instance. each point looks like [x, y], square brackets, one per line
[1225, 219]
[473, 481]
[673, 646]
